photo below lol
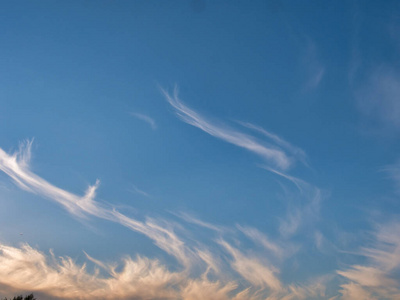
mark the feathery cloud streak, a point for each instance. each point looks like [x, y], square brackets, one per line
[26, 268]
[394, 173]
[377, 278]
[16, 166]
[162, 233]
[315, 69]
[378, 97]
[65, 279]
[146, 119]
[136, 190]
[274, 155]
[299, 215]
[252, 269]
[293, 150]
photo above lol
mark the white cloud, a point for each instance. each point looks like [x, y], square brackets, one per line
[314, 69]
[298, 215]
[16, 166]
[378, 98]
[68, 280]
[191, 219]
[352, 291]
[262, 239]
[367, 276]
[204, 289]
[28, 269]
[394, 173]
[273, 155]
[51, 277]
[252, 269]
[293, 150]
[146, 119]
[377, 278]
[136, 190]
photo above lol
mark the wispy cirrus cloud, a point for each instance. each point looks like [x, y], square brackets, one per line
[313, 68]
[145, 118]
[394, 172]
[374, 74]
[378, 97]
[17, 167]
[27, 269]
[253, 269]
[376, 279]
[293, 150]
[191, 219]
[301, 214]
[260, 238]
[278, 152]
[378, 276]
[144, 278]
[272, 154]
[136, 190]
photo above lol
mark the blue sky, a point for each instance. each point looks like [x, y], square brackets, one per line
[200, 149]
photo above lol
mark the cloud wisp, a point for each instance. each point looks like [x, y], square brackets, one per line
[296, 152]
[258, 237]
[302, 213]
[258, 276]
[145, 118]
[278, 153]
[394, 173]
[141, 278]
[274, 155]
[27, 269]
[314, 69]
[136, 190]
[378, 98]
[252, 269]
[17, 167]
[377, 278]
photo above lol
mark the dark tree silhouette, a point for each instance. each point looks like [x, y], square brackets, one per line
[27, 297]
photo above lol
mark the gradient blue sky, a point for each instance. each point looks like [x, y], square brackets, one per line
[200, 149]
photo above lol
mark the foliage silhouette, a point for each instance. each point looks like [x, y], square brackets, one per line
[20, 297]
